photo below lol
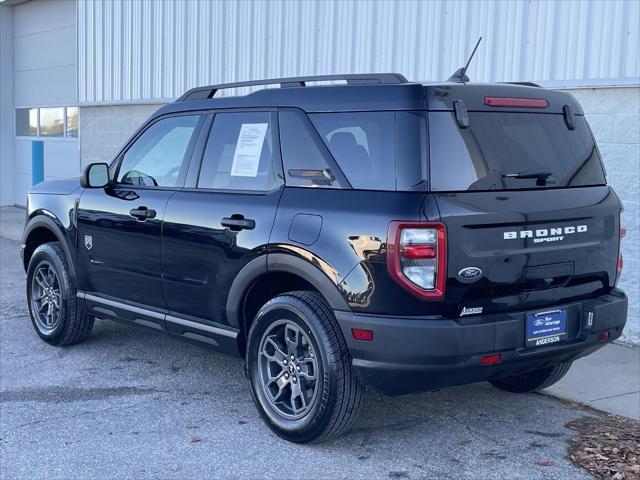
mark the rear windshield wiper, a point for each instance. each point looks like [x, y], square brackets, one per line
[541, 177]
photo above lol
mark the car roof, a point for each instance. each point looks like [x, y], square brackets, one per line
[388, 92]
[325, 98]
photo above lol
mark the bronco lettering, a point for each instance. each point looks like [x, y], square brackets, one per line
[554, 234]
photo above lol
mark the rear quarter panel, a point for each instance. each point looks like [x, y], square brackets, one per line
[350, 247]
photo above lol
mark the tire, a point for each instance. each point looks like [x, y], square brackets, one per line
[332, 400]
[69, 322]
[531, 381]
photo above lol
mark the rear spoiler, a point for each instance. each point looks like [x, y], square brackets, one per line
[504, 97]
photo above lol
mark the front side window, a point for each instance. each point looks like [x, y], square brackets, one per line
[159, 155]
[240, 153]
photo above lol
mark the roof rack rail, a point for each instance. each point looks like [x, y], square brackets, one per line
[528, 84]
[202, 93]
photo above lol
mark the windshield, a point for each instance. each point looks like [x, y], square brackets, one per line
[511, 151]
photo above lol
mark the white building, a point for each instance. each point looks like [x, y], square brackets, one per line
[108, 64]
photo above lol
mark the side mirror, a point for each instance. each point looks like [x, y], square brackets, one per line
[96, 175]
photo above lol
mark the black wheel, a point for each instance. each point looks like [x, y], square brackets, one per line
[299, 369]
[531, 381]
[57, 316]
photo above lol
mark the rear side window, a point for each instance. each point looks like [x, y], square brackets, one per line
[239, 153]
[363, 145]
[511, 151]
[307, 162]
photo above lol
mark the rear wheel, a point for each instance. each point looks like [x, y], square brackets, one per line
[56, 314]
[531, 381]
[299, 369]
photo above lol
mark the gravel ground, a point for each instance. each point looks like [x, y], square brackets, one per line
[128, 403]
[608, 446]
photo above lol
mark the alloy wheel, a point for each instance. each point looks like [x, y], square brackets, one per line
[45, 297]
[288, 369]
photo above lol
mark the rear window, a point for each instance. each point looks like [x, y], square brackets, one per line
[511, 151]
[362, 144]
[376, 150]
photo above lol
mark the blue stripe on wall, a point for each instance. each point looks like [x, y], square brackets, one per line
[37, 162]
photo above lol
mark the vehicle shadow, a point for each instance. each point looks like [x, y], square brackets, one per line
[137, 384]
[477, 409]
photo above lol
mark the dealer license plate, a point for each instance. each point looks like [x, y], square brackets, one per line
[547, 327]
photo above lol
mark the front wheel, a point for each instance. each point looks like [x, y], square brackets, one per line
[56, 314]
[299, 369]
[531, 381]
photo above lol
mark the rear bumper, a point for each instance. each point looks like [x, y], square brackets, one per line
[417, 354]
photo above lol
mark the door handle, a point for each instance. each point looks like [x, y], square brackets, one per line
[142, 213]
[237, 222]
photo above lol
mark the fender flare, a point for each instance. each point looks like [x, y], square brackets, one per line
[51, 223]
[280, 262]
[240, 286]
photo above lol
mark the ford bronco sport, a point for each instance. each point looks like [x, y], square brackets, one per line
[382, 233]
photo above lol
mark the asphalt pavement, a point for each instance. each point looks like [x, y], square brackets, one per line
[128, 403]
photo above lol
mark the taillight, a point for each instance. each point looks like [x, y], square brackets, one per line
[623, 232]
[620, 264]
[516, 102]
[417, 257]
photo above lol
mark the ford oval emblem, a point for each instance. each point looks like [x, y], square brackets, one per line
[470, 274]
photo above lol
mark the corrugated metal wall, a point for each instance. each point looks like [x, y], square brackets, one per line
[143, 50]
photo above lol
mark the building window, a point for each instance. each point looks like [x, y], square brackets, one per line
[72, 122]
[52, 122]
[26, 122]
[47, 122]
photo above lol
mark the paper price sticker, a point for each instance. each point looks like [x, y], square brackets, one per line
[246, 158]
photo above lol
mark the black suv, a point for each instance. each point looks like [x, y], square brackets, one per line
[379, 232]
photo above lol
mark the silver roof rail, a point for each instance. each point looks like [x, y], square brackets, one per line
[202, 93]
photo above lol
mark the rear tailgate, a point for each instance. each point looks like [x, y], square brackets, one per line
[519, 183]
[534, 248]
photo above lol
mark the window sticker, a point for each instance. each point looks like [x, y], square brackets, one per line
[246, 158]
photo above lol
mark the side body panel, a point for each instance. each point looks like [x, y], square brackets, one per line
[349, 247]
[51, 205]
[201, 257]
[119, 255]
